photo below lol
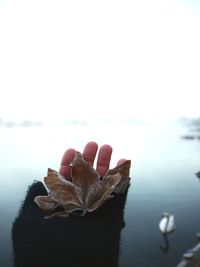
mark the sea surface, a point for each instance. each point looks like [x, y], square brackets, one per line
[162, 179]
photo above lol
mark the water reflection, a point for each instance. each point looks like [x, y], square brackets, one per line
[165, 247]
[92, 240]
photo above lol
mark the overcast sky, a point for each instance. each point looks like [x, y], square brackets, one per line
[99, 59]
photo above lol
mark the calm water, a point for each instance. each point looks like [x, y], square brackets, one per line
[163, 167]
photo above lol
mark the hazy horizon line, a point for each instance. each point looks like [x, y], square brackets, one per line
[42, 122]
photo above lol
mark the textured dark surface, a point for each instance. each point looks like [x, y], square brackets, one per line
[92, 240]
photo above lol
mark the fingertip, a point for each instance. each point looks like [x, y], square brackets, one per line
[104, 158]
[91, 144]
[106, 149]
[68, 156]
[90, 151]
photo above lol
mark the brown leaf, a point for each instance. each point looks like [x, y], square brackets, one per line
[62, 190]
[83, 175]
[123, 170]
[46, 202]
[86, 192]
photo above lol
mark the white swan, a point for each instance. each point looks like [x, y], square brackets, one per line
[167, 223]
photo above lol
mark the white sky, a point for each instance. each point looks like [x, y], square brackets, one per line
[99, 59]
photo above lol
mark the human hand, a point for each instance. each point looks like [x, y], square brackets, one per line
[89, 154]
[77, 241]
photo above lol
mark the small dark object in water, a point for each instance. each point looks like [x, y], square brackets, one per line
[188, 137]
[198, 174]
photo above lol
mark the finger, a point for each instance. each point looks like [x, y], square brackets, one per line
[90, 152]
[65, 163]
[103, 160]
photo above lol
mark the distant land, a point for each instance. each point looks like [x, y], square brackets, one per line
[191, 121]
[193, 128]
[38, 123]
[72, 122]
[188, 122]
[25, 123]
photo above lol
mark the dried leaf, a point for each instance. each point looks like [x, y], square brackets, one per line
[86, 191]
